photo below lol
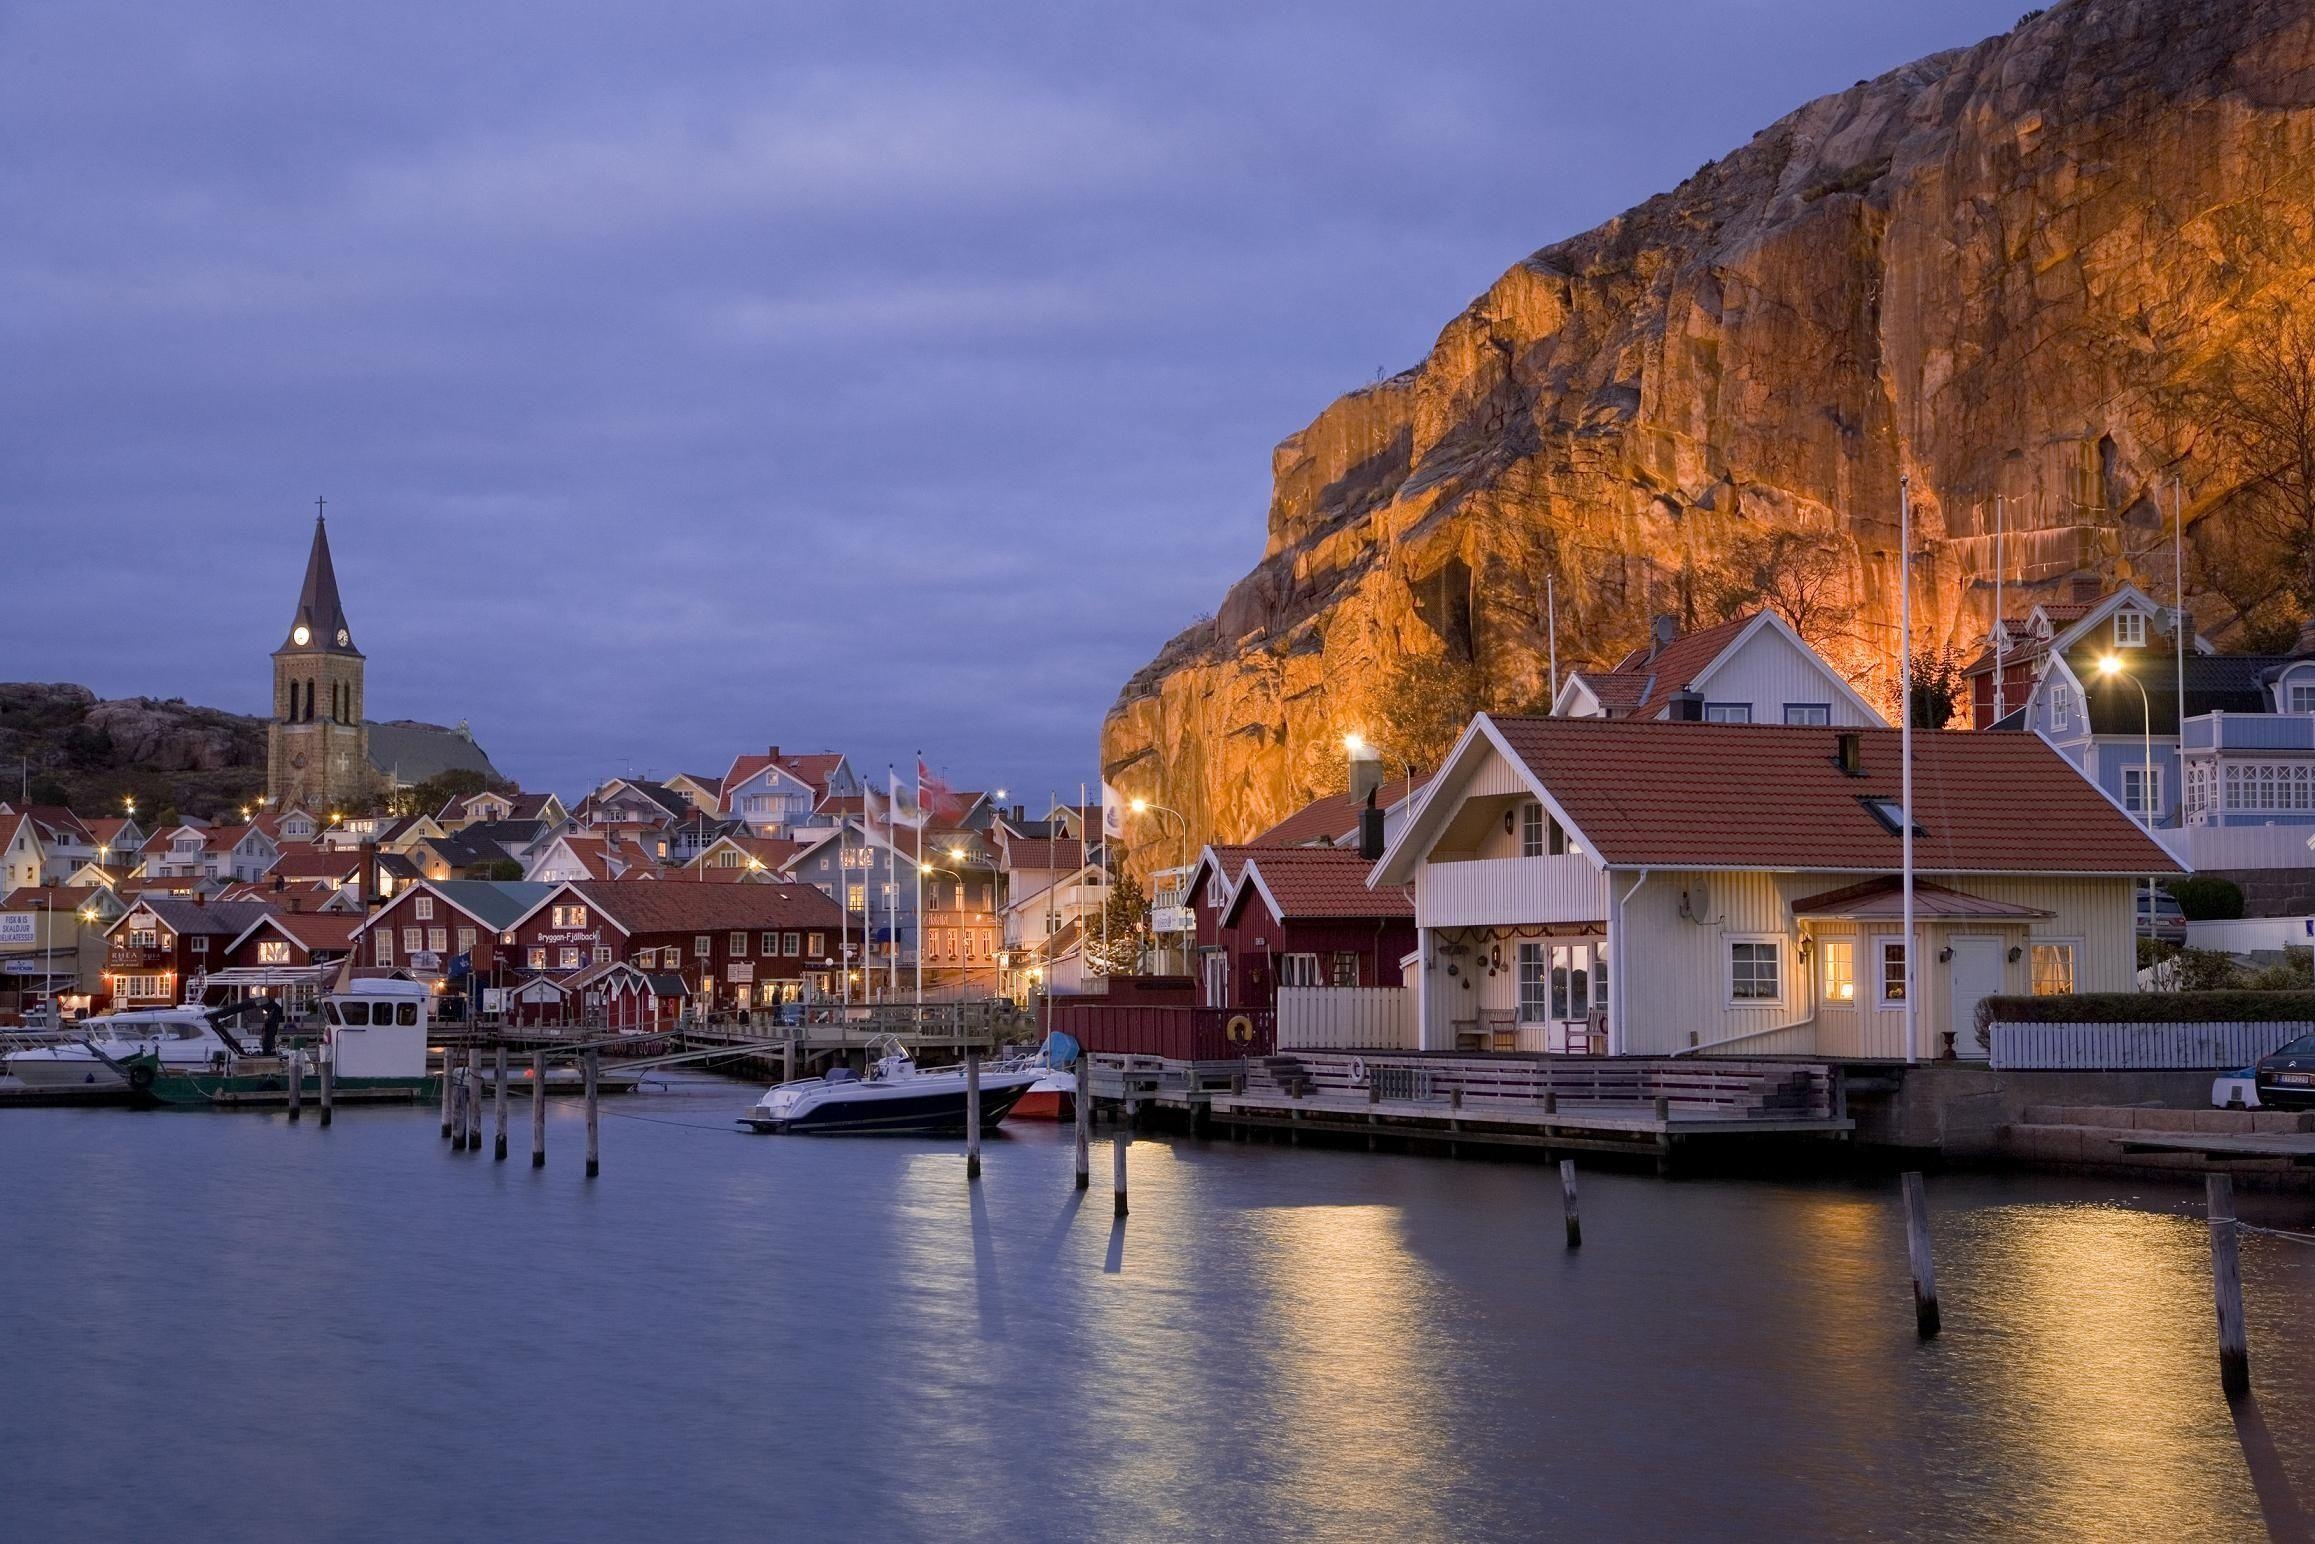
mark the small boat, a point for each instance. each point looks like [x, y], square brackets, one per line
[107, 1051]
[1054, 1095]
[894, 1099]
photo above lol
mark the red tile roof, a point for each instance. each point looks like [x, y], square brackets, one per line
[1672, 666]
[47, 897]
[1317, 883]
[1770, 796]
[335, 865]
[1885, 897]
[318, 932]
[1333, 818]
[1063, 853]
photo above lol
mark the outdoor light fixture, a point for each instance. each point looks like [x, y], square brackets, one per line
[1945, 955]
[2109, 664]
[1139, 806]
[2016, 954]
[1354, 742]
[1510, 819]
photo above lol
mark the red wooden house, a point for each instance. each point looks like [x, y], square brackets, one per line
[1303, 916]
[732, 946]
[162, 942]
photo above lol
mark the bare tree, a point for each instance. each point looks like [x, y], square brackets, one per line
[1803, 576]
[2260, 407]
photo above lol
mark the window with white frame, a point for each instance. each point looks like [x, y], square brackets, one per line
[2061, 707]
[571, 959]
[1808, 713]
[1298, 970]
[739, 946]
[2270, 786]
[385, 937]
[1755, 970]
[2302, 697]
[1533, 840]
[568, 916]
[273, 951]
[197, 944]
[466, 940]
[1534, 984]
[2130, 629]
[702, 946]
[2053, 969]
[537, 959]
[2142, 789]
[818, 946]
[413, 939]
[424, 907]
[438, 939]
[1840, 967]
[792, 944]
[1728, 713]
[1576, 988]
[1892, 970]
[1342, 968]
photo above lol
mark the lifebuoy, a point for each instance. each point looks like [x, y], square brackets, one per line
[1240, 1030]
[141, 1076]
[1357, 1072]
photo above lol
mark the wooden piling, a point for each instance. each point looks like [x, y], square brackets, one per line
[1926, 1320]
[1117, 1162]
[447, 1097]
[456, 1077]
[594, 1113]
[499, 1153]
[1081, 1105]
[1575, 1226]
[788, 1061]
[1551, 1101]
[293, 1062]
[972, 1113]
[328, 1061]
[474, 1098]
[2227, 1288]
[1663, 1108]
[538, 1109]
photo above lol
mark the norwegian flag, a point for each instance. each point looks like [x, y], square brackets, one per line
[936, 799]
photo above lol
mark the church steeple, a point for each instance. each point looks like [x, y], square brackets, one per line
[320, 623]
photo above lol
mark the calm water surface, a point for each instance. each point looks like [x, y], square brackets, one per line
[224, 1327]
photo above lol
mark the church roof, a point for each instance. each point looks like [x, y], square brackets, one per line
[319, 611]
[410, 753]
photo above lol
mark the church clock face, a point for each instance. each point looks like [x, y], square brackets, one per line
[299, 636]
[343, 638]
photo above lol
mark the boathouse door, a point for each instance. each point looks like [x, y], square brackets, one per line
[1975, 972]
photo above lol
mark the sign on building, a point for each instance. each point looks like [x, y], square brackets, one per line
[741, 975]
[1173, 919]
[19, 927]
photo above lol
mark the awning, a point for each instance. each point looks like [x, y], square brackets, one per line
[1884, 898]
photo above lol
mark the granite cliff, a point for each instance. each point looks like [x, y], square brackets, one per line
[1989, 272]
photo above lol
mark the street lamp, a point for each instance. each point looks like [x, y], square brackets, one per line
[2110, 667]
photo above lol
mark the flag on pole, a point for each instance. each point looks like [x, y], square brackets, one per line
[904, 808]
[936, 799]
[871, 808]
[1113, 807]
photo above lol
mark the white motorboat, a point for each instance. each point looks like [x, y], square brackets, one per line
[179, 1039]
[895, 1098]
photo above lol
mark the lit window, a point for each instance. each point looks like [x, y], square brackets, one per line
[2053, 970]
[569, 916]
[273, 951]
[1840, 957]
[570, 959]
[1753, 971]
[538, 959]
[1892, 971]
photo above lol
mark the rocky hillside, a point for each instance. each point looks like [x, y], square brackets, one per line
[78, 751]
[1990, 272]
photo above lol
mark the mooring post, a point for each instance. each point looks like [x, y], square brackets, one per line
[474, 1098]
[2227, 1288]
[327, 1059]
[291, 1064]
[972, 1113]
[594, 1113]
[1081, 1105]
[1575, 1227]
[1925, 1316]
[538, 1109]
[500, 1100]
[788, 1061]
[448, 1106]
[1117, 1147]
[455, 1076]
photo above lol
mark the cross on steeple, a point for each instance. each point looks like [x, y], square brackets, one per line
[317, 506]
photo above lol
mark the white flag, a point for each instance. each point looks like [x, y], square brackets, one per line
[1113, 806]
[904, 807]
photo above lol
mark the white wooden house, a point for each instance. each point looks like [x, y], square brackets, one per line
[1631, 887]
[1752, 670]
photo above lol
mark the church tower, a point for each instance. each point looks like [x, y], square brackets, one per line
[317, 747]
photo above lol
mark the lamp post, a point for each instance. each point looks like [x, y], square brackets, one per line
[2110, 668]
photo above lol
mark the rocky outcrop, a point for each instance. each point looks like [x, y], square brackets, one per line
[1980, 272]
[167, 755]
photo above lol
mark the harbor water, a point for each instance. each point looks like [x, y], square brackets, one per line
[226, 1327]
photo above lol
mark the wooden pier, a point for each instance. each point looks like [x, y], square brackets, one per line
[1649, 1108]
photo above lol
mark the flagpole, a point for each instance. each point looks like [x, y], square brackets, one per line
[920, 879]
[1905, 747]
[2179, 625]
[2000, 510]
[844, 911]
[892, 889]
[1551, 625]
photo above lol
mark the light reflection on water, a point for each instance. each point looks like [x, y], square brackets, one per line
[356, 1334]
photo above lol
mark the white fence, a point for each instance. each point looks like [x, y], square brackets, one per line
[1347, 1018]
[2112, 1046]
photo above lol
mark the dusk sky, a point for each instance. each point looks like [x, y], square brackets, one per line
[684, 379]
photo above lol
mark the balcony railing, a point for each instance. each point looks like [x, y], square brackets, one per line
[2250, 732]
[1506, 892]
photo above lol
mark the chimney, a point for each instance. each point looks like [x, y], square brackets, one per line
[200, 896]
[280, 883]
[368, 880]
[297, 903]
[1366, 770]
[1686, 707]
[1370, 830]
[1849, 753]
[1661, 630]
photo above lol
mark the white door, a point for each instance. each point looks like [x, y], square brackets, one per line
[1974, 972]
[1217, 980]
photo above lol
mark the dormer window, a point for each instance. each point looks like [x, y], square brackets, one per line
[2130, 629]
[1891, 814]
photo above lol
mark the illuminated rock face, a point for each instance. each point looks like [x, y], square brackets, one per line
[1978, 271]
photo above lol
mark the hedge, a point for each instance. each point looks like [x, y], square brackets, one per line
[2206, 898]
[2150, 1008]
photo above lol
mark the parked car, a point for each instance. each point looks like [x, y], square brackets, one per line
[2237, 1090]
[2286, 1078]
[2160, 917]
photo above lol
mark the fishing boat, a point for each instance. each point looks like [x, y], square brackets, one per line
[1053, 1096]
[374, 1033]
[895, 1098]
